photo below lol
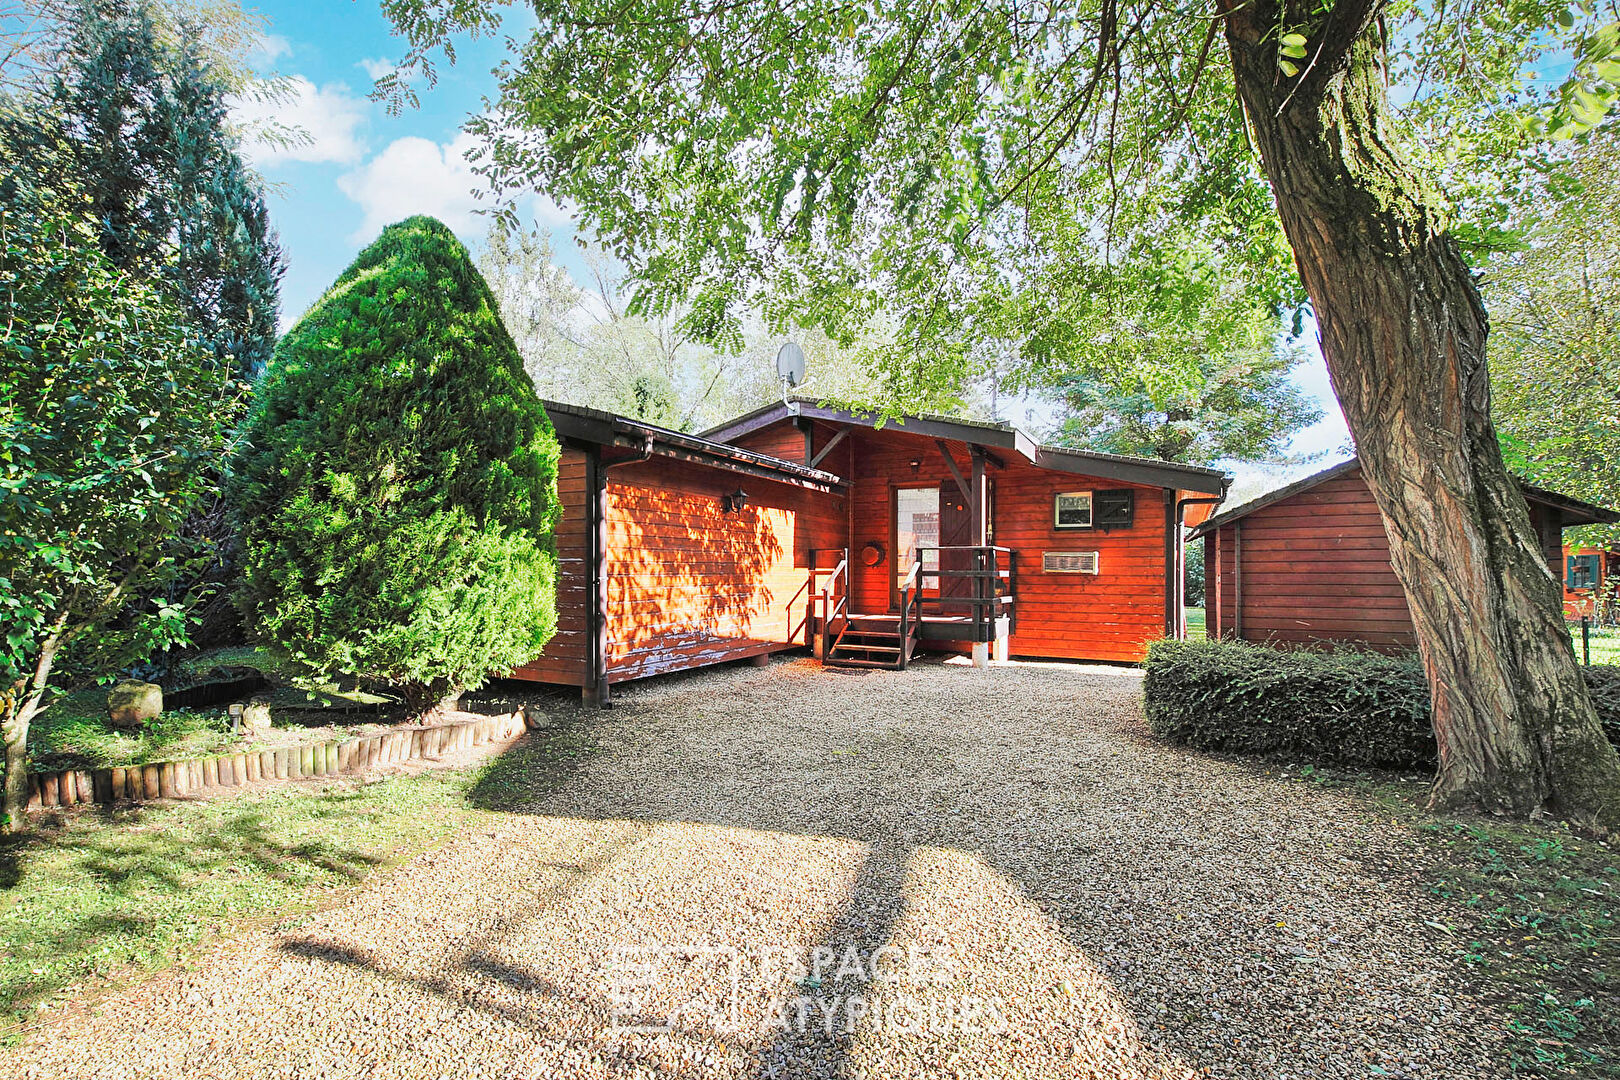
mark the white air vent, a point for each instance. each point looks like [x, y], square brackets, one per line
[1069, 562]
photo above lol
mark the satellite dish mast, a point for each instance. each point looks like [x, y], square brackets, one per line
[789, 367]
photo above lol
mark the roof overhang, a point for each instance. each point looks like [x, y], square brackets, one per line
[623, 439]
[1129, 470]
[1572, 512]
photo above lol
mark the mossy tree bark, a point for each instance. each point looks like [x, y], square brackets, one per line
[1403, 330]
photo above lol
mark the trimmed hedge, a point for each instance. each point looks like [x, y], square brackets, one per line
[1352, 708]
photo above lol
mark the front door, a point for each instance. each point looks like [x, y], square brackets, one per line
[955, 531]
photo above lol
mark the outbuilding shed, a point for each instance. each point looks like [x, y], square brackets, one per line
[1309, 564]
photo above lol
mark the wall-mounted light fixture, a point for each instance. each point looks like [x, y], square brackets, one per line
[916, 463]
[735, 501]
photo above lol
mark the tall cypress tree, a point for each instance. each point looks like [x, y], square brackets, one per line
[150, 136]
[397, 482]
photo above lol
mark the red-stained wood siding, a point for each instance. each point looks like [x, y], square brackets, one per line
[1109, 616]
[781, 440]
[689, 584]
[1316, 571]
[564, 658]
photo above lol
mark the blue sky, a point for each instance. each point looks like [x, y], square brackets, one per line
[364, 169]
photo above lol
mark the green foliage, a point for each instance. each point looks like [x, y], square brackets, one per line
[1555, 338]
[97, 896]
[144, 120]
[1003, 183]
[108, 423]
[1348, 707]
[397, 484]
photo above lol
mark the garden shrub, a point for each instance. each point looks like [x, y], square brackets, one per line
[1349, 707]
[397, 483]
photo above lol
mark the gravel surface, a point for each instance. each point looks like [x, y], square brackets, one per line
[804, 873]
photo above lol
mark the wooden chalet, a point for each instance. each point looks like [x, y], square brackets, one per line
[1308, 564]
[804, 526]
[1591, 581]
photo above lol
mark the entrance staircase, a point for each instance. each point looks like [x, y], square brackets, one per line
[872, 642]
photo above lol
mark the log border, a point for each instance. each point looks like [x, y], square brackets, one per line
[346, 755]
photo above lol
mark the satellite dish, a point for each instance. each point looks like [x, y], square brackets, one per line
[790, 364]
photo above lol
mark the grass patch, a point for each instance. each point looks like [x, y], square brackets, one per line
[1539, 928]
[73, 733]
[1195, 624]
[1604, 641]
[96, 895]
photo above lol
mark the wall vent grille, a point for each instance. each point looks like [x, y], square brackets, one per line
[1069, 562]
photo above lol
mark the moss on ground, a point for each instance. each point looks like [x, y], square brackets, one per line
[1538, 925]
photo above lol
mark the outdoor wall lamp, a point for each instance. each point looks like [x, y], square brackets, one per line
[733, 502]
[916, 464]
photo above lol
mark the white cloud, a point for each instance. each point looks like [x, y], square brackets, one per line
[328, 117]
[270, 48]
[375, 68]
[414, 175]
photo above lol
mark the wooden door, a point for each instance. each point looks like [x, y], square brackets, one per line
[955, 530]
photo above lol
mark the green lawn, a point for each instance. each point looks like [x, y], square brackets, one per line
[1195, 624]
[1538, 931]
[96, 895]
[1605, 642]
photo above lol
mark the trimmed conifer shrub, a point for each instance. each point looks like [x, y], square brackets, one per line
[397, 480]
[1348, 707]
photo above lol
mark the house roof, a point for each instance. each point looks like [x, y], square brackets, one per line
[1133, 470]
[1575, 512]
[637, 439]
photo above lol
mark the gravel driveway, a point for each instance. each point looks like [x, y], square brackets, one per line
[796, 872]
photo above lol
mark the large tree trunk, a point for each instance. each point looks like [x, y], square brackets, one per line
[1403, 331]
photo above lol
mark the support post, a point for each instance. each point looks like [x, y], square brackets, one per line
[1171, 543]
[595, 692]
[808, 429]
[1212, 566]
[1237, 579]
[981, 654]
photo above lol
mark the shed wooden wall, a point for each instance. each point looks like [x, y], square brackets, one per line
[1316, 571]
[1109, 616]
[565, 656]
[689, 584]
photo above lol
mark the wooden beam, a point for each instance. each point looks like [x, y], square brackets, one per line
[821, 455]
[1237, 579]
[809, 430]
[595, 690]
[1170, 546]
[950, 463]
[979, 499]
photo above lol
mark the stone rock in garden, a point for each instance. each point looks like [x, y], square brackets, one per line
[131, 703]
[256, 714]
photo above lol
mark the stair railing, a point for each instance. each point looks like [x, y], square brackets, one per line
[910, 605]
[834, 596]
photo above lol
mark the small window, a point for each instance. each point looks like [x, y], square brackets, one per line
[1114, 509]
[1071, 510]
[1581, 572]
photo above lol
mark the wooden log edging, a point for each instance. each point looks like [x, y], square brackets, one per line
[345, 756]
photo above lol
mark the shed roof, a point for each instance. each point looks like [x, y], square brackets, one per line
[639, 439]
[999, 434]
[1575, 512]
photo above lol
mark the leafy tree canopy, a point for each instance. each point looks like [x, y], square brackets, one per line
[398, 479]
[108, 425]
[1555, 342]
[139, 102]
[821, 163]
